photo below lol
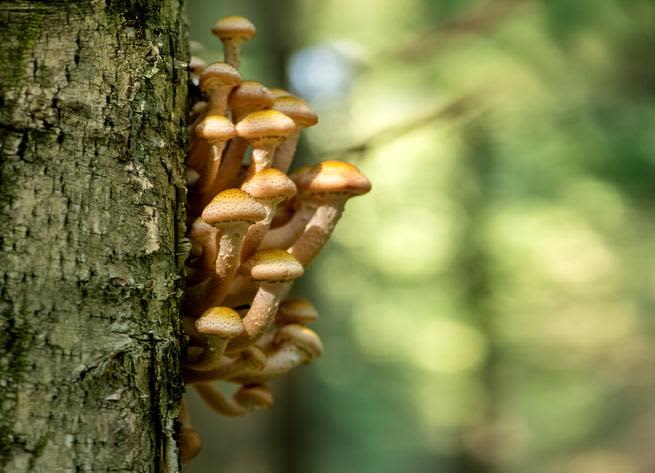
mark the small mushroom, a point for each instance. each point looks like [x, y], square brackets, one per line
[295, 345]
[233, 31]
[332, 183]
[296, 311]
[269, 187]
[219, 325]
[274, 272]
[277, 92]
[303, 116]
[231, 212]
[216, 130]
[264, 130]
[245, 400]
[196, 66]
[217, 81]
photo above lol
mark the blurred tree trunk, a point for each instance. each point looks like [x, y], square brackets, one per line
[92, 100]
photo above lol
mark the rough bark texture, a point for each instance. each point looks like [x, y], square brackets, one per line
[92, 99]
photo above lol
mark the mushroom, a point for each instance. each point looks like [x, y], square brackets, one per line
[190, 443]
[294, 344]
[245, 400]
[277, 92]
[219, 325]
[217, 80]
[296, 311]
[203, 251]
[332, 184]
[269, 187]
[274, 272]
[303, 116]
[251, 359]
[231, 212]
[216, 130]
[249, 97]
[264, 130]
[283, 236]
[233, 31]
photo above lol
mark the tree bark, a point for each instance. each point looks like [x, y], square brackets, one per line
[92, 103]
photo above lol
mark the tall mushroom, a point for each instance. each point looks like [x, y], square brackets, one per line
[269, 187]
[231, 212]
[333, 183]
[217, 81]
[264, 130]
[274, 272]
[250, 96]
[303, 116]
[233, 31]
[203, 251]
[216, 130]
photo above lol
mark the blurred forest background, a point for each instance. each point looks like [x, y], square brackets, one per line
[488, 307]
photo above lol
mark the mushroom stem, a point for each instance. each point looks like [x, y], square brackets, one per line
[231, 165]
[316, 234]
[286, 150]
[218, 402]
[203, 239]
[252, 358]
[283, 237]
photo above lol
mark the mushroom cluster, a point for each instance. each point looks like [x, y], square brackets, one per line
[253, 230]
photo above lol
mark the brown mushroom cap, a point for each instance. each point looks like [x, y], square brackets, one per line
[296, 109]
[233, 205]
[333, 177]
[296, 311]
[215, 128]
[190, 444]
[265, 124]
[234, 27]
[197, 65]
[273, 266]
[219, 74]
[251, 93]
[302, 337]
[270, 183]
[220, 321]
[254, 397]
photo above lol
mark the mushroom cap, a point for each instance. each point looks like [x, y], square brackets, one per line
[219, 74]
[270, 183]
[277, 92]
[302, 337]
[255, 396]
[333, 177]
[215, 128]
[265, 124]
[251, 94]
[233, 205]
[273, 266]
[234, 27]
[220, 321]
[296, 311]
[296, 109]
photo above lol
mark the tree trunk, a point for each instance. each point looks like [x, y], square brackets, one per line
[92, 101]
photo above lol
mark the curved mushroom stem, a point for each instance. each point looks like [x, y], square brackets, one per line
[317, 232]
[286, 150]
[261, 314]
[251, 359]
[284, 236]
[203, 237]
[218, 402]
[231, 165]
